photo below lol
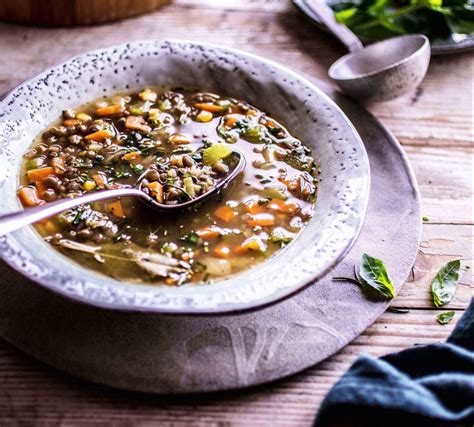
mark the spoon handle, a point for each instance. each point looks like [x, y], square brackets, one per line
[14, 221]
[320, 10]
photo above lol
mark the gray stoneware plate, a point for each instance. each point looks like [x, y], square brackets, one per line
[452, 44]
[314, 117]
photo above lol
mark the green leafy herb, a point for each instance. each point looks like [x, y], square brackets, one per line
[374, 274]
[446, 317]
[297, 157]
[373, 278]
[425, 218]
[444, 284]
[190, 238]
[380, 19]
[138, 169]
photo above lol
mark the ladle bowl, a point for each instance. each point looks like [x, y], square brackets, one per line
[377, 72]
[383, 70]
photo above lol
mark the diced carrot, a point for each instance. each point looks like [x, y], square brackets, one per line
[208, 106]
[131, 156]
[29, 196]
[222, 250]
[282, 206]
[40, 187]
[137, 123]
[208, 232]
[262, 220]
[59, 165]
[72, 122]
[156, 190]
[253, 207]
[271, 124]
[100, 180]
[117, 209]
[224, 213]
[230, 121]
[40, 174]
[292, 183]
[253, 243]
[99, 135]
[108, 111]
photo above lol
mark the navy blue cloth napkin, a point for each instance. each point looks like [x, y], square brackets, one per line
[430, 385]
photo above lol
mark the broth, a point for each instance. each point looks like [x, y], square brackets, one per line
[179, 141]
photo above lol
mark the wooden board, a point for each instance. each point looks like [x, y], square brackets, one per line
[435, 126]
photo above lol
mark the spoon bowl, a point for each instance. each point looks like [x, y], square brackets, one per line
[383, 70]
[222, 184]
[14, 221]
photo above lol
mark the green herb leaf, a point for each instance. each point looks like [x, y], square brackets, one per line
[374, 276]
[380, 19]
[445, 317]
[444, 284]
[190, 238]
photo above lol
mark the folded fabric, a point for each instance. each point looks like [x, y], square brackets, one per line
[430, 385]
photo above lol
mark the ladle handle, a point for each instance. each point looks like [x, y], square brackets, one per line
[14, 221]
[324, 13]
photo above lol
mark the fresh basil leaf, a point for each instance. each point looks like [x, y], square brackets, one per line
[190, 238]
[374, 277]
[445, 317]
[444, 284]
[380, 19]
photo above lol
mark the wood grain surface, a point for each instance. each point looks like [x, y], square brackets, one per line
[434, 124]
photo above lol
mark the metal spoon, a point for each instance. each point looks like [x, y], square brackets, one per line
[14, 221]
[377, 72]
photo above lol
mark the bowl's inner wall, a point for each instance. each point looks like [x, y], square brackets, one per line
[305, 111]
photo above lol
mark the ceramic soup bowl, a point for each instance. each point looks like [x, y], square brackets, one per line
[302, 107]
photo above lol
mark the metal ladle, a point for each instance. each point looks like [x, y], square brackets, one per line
[14, 221]
[377, 72]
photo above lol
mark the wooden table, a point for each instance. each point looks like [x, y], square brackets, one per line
[434, 124]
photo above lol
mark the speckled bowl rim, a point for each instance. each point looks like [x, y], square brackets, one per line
[138, 306]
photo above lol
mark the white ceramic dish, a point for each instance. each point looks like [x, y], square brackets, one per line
[342, 198]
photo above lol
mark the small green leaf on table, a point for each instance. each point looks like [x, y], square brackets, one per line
[444, 284]
[446, 317]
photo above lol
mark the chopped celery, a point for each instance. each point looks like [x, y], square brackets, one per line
[256, 134]
[165, 105]
[139, 108]
[215, 152]
[281, 235]
[275, 192]
[35, 163]
[189, 186]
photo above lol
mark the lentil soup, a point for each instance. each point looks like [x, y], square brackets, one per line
[179, 143]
